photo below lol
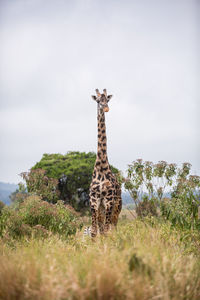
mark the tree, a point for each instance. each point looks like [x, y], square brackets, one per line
[182, 209]
[148, 179]
[72, 173]
[147, 183]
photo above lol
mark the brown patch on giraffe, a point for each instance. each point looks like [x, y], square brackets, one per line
[107, 183]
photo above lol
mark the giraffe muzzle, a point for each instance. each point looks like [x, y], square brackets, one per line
[106, 109]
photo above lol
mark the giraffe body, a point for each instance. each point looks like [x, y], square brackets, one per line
[105, 191]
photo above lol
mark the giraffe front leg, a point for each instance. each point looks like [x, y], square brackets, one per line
[117, 205]
[108, 211]
[101, 219]
[116, 211]
[94, 212]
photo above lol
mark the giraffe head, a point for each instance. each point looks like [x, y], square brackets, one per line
[102, 100]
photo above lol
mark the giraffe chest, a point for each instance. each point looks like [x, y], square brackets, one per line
[102, 188]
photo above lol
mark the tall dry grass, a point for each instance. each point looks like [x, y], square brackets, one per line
[139, 261]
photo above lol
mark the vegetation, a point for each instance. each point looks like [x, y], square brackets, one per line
[148, 179]
[1, 206]
[34, 217]
[147, 183]
[40, 184]
[154, 254]
[65, 177]
[19, 195]
[142, 260]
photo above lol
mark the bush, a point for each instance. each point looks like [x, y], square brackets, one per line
[34, 216]
[19, 195]
[38, 183]
[182, 208]
[147, 183]
[146, 208]
[182, 211]
[149, 179]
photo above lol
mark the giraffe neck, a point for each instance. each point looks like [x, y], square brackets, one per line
[102, 159]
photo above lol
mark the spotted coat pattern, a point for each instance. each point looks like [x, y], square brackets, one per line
[105, 191]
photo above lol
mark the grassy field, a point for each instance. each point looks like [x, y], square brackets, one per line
[142, 260]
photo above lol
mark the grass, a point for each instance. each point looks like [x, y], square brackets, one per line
[142, 260]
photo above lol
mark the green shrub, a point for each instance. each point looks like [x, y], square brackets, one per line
[146, 208]
[147, 182]
[39, 184]
[182, 208]
[11, 223]
[149, 179]
[182, 211]
[34, 216]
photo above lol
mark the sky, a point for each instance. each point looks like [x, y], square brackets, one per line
[54, 54]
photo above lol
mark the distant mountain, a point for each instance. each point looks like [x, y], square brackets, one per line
[5, 190]
[126, 198]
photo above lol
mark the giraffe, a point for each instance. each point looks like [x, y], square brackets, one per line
[105, 191]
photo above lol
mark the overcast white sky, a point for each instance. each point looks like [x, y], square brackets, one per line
[54, 54]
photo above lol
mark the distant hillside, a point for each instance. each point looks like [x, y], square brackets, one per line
[126, 198]
[5, 190]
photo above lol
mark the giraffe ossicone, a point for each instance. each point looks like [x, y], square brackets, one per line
[105, 190]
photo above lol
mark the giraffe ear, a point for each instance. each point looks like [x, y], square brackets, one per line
[94, 98]
[109, 97]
